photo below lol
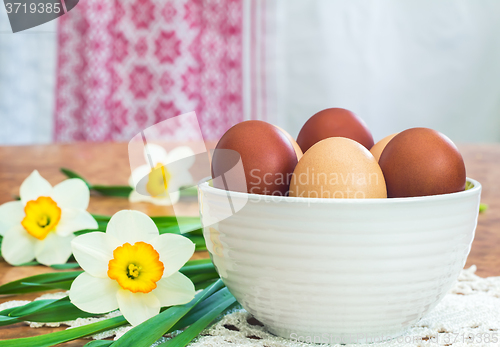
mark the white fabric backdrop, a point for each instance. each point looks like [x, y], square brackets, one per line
[27, 81]
[397, 64]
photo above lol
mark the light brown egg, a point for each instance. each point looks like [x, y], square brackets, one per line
[378, 148]
[296, 147]
[338, 167]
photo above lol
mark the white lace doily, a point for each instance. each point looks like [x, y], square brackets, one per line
[468, 316]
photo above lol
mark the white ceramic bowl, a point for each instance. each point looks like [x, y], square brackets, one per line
[338, 269]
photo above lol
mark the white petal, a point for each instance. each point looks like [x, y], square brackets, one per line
[94, 295]
[138, 174]
[72, 193]
[176, 289]
[11, 214]
[175, 251]
[158, 154]
[33, 187]
[54, 249]
[137, 307]
[135, 196]
[73, 219]
[18, 246]
[132, 226]
[163, 201]
[184, 155]
[93, 251]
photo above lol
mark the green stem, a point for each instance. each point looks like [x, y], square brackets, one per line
[71, 174]
[99, 343]
[65, 335]
[38, 283]
[119, 191]
[219, 306]
[195, 269]
[151, 330]
[198, 278]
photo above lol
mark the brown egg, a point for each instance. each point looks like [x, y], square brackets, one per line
[421, 161]
[267, 155]
[334, 122]
[338, 167]
[378, 148]
[296, 147]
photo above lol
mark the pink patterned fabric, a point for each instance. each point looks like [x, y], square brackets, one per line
[124, 65]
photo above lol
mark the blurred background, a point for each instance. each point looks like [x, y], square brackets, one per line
[108, 69]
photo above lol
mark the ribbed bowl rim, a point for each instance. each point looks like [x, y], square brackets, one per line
[204, 186]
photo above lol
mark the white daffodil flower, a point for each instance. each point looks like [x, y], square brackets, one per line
[170, 171]
[41, 225]
[131, 267]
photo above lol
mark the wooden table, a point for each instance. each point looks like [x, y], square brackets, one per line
[107, 163]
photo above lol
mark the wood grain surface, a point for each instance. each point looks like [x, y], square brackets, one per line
[107, 163]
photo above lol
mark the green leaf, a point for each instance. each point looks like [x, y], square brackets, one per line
[65, 266]
[30, 263]
[197, 232]
[189, 190]
[483, 207]
[99, 343]
[43, 311]
[189, 230]
[202, 309]
[120, 191]
[160, 221]
[198, 278]
[193, 269]
[200, 324]
[101, 225]
[191, 227]
[39, 283]
[7, 311]
[71, 174]
[203, 284]
[173, 219]
[199, 240]
[100, 217]
[173, 229]
[30, 308]
[63, 309]
[5, 320]
[65, 335]
[198, 262]
[151, 330]
[59, 311]
[48, 286]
